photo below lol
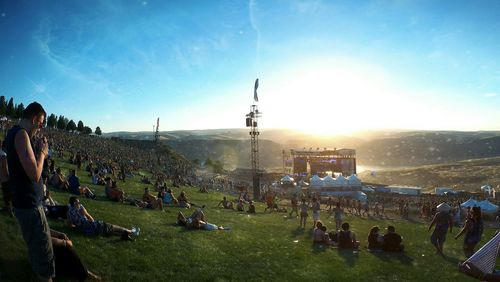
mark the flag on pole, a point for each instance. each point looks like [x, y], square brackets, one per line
[255, 98]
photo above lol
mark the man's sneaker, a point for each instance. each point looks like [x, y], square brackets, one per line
[126, 237]
[136, 231]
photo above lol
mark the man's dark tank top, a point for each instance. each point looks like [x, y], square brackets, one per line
[25, 194]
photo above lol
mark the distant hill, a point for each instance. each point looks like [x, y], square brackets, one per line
[375, 148]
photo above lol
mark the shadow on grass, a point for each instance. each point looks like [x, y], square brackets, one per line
[385, 256]
[298, 232]
[319, 248]
[350, 257]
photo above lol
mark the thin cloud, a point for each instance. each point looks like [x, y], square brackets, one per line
[490, 95]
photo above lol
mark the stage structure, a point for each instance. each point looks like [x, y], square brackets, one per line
[252, 122]
[322, 161]
[157, 132]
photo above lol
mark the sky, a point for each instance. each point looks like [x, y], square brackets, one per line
[324, 67]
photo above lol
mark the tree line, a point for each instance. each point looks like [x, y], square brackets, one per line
[15, 111]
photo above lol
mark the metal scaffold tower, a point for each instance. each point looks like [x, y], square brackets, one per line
[252, 123]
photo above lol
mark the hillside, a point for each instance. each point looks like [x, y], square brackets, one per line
[467, 175]
[375, 148]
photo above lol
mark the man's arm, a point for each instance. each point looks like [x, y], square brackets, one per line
[33, 167]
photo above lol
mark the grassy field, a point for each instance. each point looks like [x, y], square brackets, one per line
[261, 247]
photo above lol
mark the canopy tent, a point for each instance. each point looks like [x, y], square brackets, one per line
[469, 203]
[302, 183]
[444, 207]
[328, 181]
[341, 181]
[287, 178]
[353, 180]
[316, 181]
[358, 195]
[488, 207]
[367, 189]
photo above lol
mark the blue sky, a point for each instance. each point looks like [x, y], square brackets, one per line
[325, 67]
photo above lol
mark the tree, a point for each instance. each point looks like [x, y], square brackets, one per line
[71, 126]
[80, 126]
[10, 108]
[98, 131]
[52, 121]
[61, 122]
[19, 111]
[3, 105]
[87, 130]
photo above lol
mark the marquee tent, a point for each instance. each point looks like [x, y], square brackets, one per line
[469, 203]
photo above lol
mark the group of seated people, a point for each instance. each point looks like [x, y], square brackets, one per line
[240, 206]
[346, 239]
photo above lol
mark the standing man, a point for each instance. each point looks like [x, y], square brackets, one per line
[25, 169]
[443, 221]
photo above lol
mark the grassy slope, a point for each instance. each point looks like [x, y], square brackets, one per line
[258, 247]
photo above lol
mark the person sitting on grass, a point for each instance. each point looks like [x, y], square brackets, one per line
[240, 206]
[112, 191]
[375, 240]
[347, 238]
[67, 260]
[393, 242]
[169, 198]
[320, 236]
[151, 201]
[78, 217]
[58, 180]
[251, 207]
[76, 188]
[197, 221]
[183, 200]
[226, 204]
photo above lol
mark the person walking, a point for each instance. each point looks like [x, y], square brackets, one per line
[25, 169]
[443, 220]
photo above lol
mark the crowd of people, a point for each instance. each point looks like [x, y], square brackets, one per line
[28, 168]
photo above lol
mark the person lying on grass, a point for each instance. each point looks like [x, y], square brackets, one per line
[67, 260]
[79, 217]
[197, 221]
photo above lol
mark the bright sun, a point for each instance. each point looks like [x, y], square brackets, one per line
[330, 98]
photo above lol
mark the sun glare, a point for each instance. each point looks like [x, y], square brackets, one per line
[329, 99]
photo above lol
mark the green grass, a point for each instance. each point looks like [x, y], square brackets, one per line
[260, 247]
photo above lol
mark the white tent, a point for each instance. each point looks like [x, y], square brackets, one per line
[469, 203]
[488, 207]
[328, 181]
[316, 182]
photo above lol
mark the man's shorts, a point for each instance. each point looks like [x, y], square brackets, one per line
[36, 234]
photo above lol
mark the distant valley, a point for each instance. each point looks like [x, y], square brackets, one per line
[376, 148]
